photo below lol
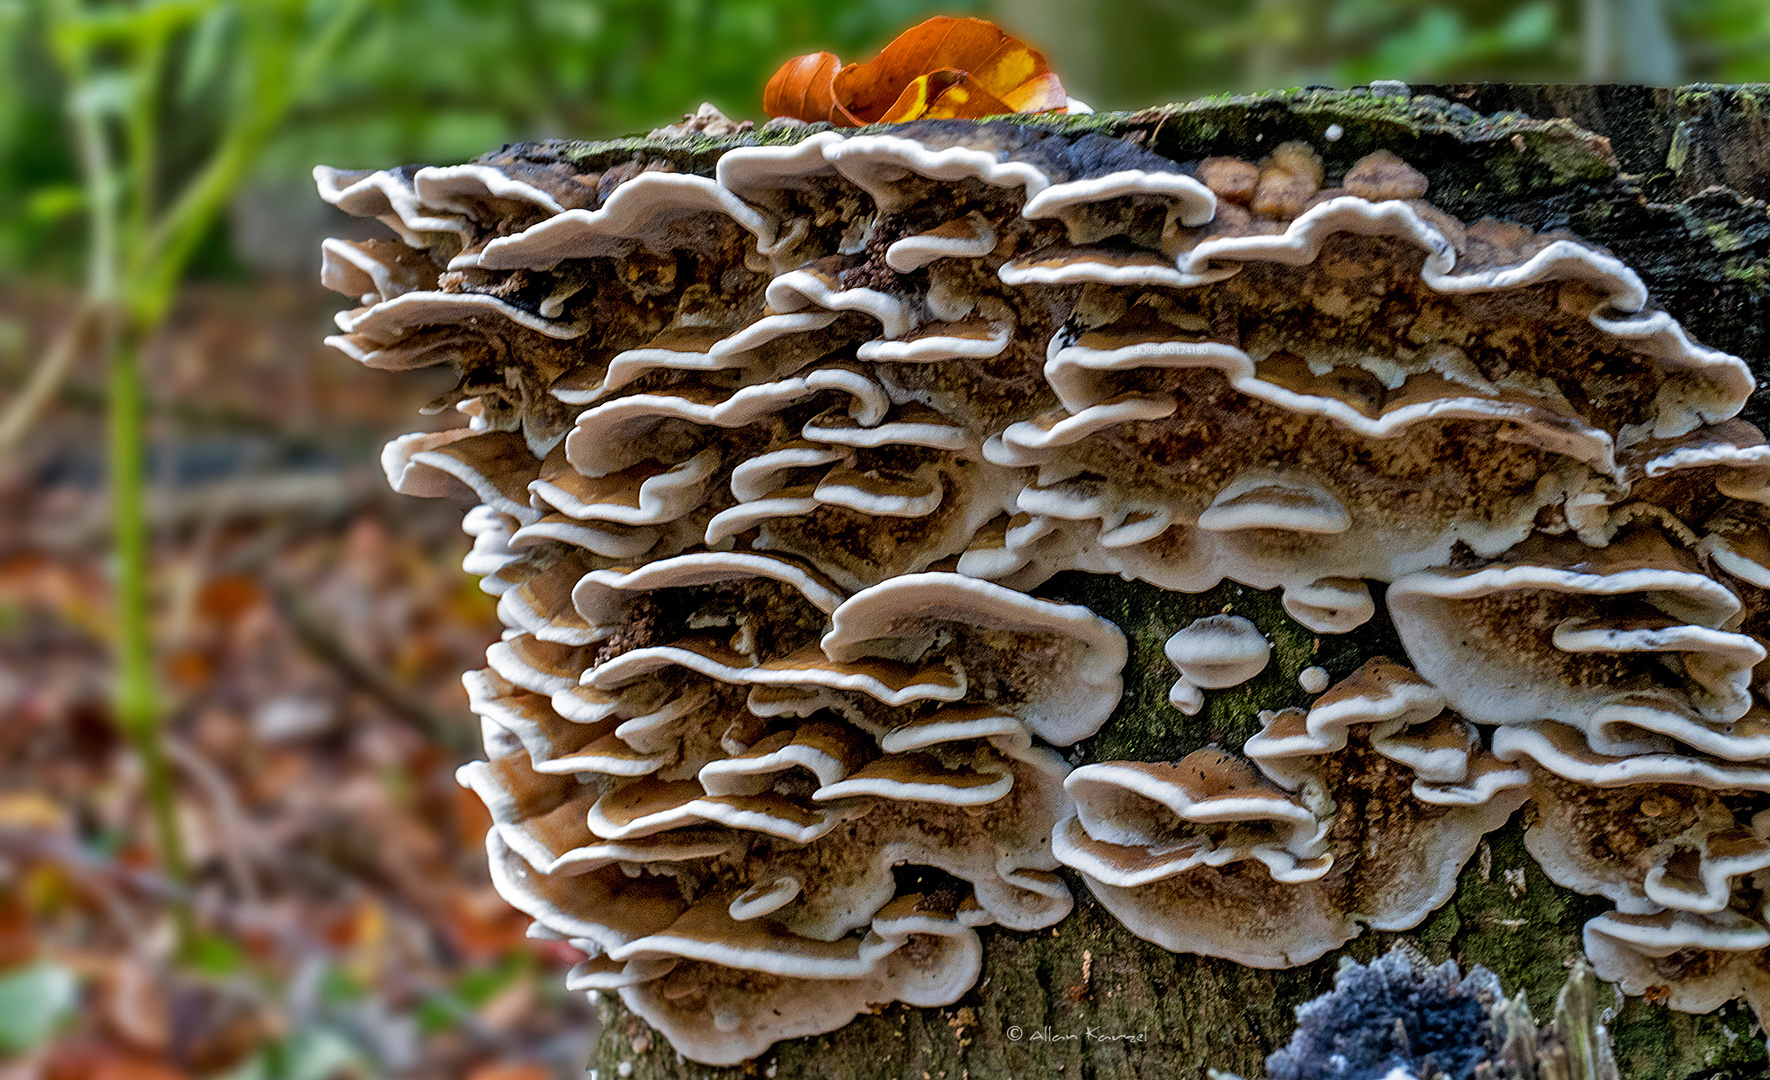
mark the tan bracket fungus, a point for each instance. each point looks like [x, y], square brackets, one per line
[1190, 855]
[768, 454]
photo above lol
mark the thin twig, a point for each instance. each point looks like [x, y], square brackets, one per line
[325, 644]
[315, 493]
[46, 379]
[107, 878]
[234, 829]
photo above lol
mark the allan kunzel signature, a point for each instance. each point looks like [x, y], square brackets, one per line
[1016, 1033]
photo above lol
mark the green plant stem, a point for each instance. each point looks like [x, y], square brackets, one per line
[141, 245]
[122, 337]
[137, 701]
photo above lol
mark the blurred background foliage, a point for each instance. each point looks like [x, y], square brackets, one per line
[443, 80]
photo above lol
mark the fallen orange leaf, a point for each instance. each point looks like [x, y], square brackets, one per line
[97, 1062]
[944, 68]
[528, 1070]
[229, 596]
[32, 810]
[944, 95]
[483, 926]
[191, 669]
[801, 88]
[18, 938]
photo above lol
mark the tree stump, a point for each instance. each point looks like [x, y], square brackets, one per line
[1673, 183]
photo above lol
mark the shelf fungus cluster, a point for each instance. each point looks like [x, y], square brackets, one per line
[771, 454]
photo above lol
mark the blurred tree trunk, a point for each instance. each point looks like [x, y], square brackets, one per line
[1674, 182]
[1629, 41]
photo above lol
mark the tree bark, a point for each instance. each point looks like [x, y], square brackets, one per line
[1672, 181]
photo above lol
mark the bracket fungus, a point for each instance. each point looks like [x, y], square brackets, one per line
[772, 445]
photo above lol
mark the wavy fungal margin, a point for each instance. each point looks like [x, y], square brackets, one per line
[765, 465]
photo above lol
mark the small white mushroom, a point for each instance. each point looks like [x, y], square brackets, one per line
[765, 897]
[1186, 696]
[1218, 651]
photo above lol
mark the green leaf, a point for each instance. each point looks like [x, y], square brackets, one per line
[212, 954]
[134, 25]
[204, 56]
[339, 987]
[437, 1014]
[33, 1001]
[107, 94]
[321, 1054]
[54, 203]
[1530, 27]
[476, 987]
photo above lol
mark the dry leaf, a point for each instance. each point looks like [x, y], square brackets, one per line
[135, 1007]
[18, 938]
[945, 68]
[32, 810]
[801, 88]
[522, 1070]
[482, 926]
[92, 1062]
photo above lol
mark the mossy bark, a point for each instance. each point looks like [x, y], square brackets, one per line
[1674, 182]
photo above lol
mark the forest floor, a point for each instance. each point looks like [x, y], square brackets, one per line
[311, 628]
